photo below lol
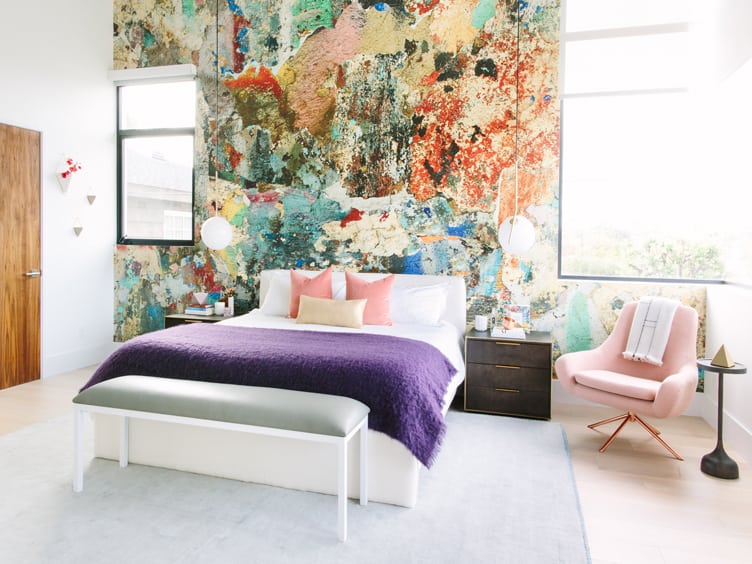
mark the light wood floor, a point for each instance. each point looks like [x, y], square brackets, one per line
[643, 506]
[639, 504]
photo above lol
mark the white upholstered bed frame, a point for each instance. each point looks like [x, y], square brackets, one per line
[393, 472]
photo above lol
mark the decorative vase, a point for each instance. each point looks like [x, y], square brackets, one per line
[64, 181]
[65, 172]
[230, 309]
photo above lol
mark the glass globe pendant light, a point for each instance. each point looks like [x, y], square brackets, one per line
[516, 234]
[216, 233]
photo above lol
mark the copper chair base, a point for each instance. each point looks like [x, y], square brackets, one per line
[627, 417]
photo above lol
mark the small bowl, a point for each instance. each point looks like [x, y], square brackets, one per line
[200, 297]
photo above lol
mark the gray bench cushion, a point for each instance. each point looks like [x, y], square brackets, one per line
[247, 405]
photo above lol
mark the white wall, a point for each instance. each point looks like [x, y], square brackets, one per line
[729, 307]
[732, 20]
[729, 324]
[54, 58]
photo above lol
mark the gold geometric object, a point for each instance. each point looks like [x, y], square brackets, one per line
[77, 230]
[722, 358]
[91, 198]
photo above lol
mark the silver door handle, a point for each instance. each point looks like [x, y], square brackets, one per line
[32, 274]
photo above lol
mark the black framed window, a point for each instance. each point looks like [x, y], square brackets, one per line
[155, 153]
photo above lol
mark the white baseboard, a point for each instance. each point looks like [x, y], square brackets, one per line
[73, 360]
[736, 437]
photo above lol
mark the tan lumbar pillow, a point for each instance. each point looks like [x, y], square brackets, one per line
[322, 311]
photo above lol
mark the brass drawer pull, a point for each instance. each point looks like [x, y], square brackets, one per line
[507, 366]
[508, 344]
[509, 390]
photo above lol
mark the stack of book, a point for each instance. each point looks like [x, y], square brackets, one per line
[198, 309]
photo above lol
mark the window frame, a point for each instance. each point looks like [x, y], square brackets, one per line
[134, 77]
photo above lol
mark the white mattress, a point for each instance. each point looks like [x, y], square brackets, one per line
[444, 337]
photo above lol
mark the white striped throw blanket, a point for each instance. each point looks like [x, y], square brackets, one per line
[651, 327]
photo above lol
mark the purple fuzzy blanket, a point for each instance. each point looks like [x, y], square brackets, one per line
[403, 381]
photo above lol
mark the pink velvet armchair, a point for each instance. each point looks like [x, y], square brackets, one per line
[603, 376]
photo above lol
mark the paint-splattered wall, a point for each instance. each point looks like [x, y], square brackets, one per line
[371, 136]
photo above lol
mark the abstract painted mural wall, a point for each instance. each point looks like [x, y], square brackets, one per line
[374, 136]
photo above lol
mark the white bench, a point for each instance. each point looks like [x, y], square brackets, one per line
[268, 411]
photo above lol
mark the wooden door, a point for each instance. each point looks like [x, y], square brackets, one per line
[20, 176]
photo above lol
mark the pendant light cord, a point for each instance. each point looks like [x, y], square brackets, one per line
[517, 117]
[216, 104]
[516, 134]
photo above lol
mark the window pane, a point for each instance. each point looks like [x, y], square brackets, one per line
[627, 63]
[631, 205]
[176, 224]
[154, 106]
[584, 15]
[157, 187]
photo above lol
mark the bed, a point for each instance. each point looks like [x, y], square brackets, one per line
[426, 310]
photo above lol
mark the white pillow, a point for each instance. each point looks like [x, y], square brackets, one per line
[277, 299]
[423, 305]
[339, 285]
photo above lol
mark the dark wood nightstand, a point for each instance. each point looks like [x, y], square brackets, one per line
[182, 318]
[508, 376]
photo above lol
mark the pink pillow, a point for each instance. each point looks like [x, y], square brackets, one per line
[301, 285]
[377, 293]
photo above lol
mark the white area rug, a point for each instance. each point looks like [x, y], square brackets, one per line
[502, 490]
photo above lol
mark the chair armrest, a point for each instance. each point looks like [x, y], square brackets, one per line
[676, 392]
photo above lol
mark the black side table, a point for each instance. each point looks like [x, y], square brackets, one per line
[718, 463]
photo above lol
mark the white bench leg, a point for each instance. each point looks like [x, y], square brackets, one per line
[342, 490]
[124, 437]
[78, 439]
[342, 450]
[364, 463]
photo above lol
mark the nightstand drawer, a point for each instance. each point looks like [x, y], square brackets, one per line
[508, 402]
[513, 353]
[183, 318]
[502, 376]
